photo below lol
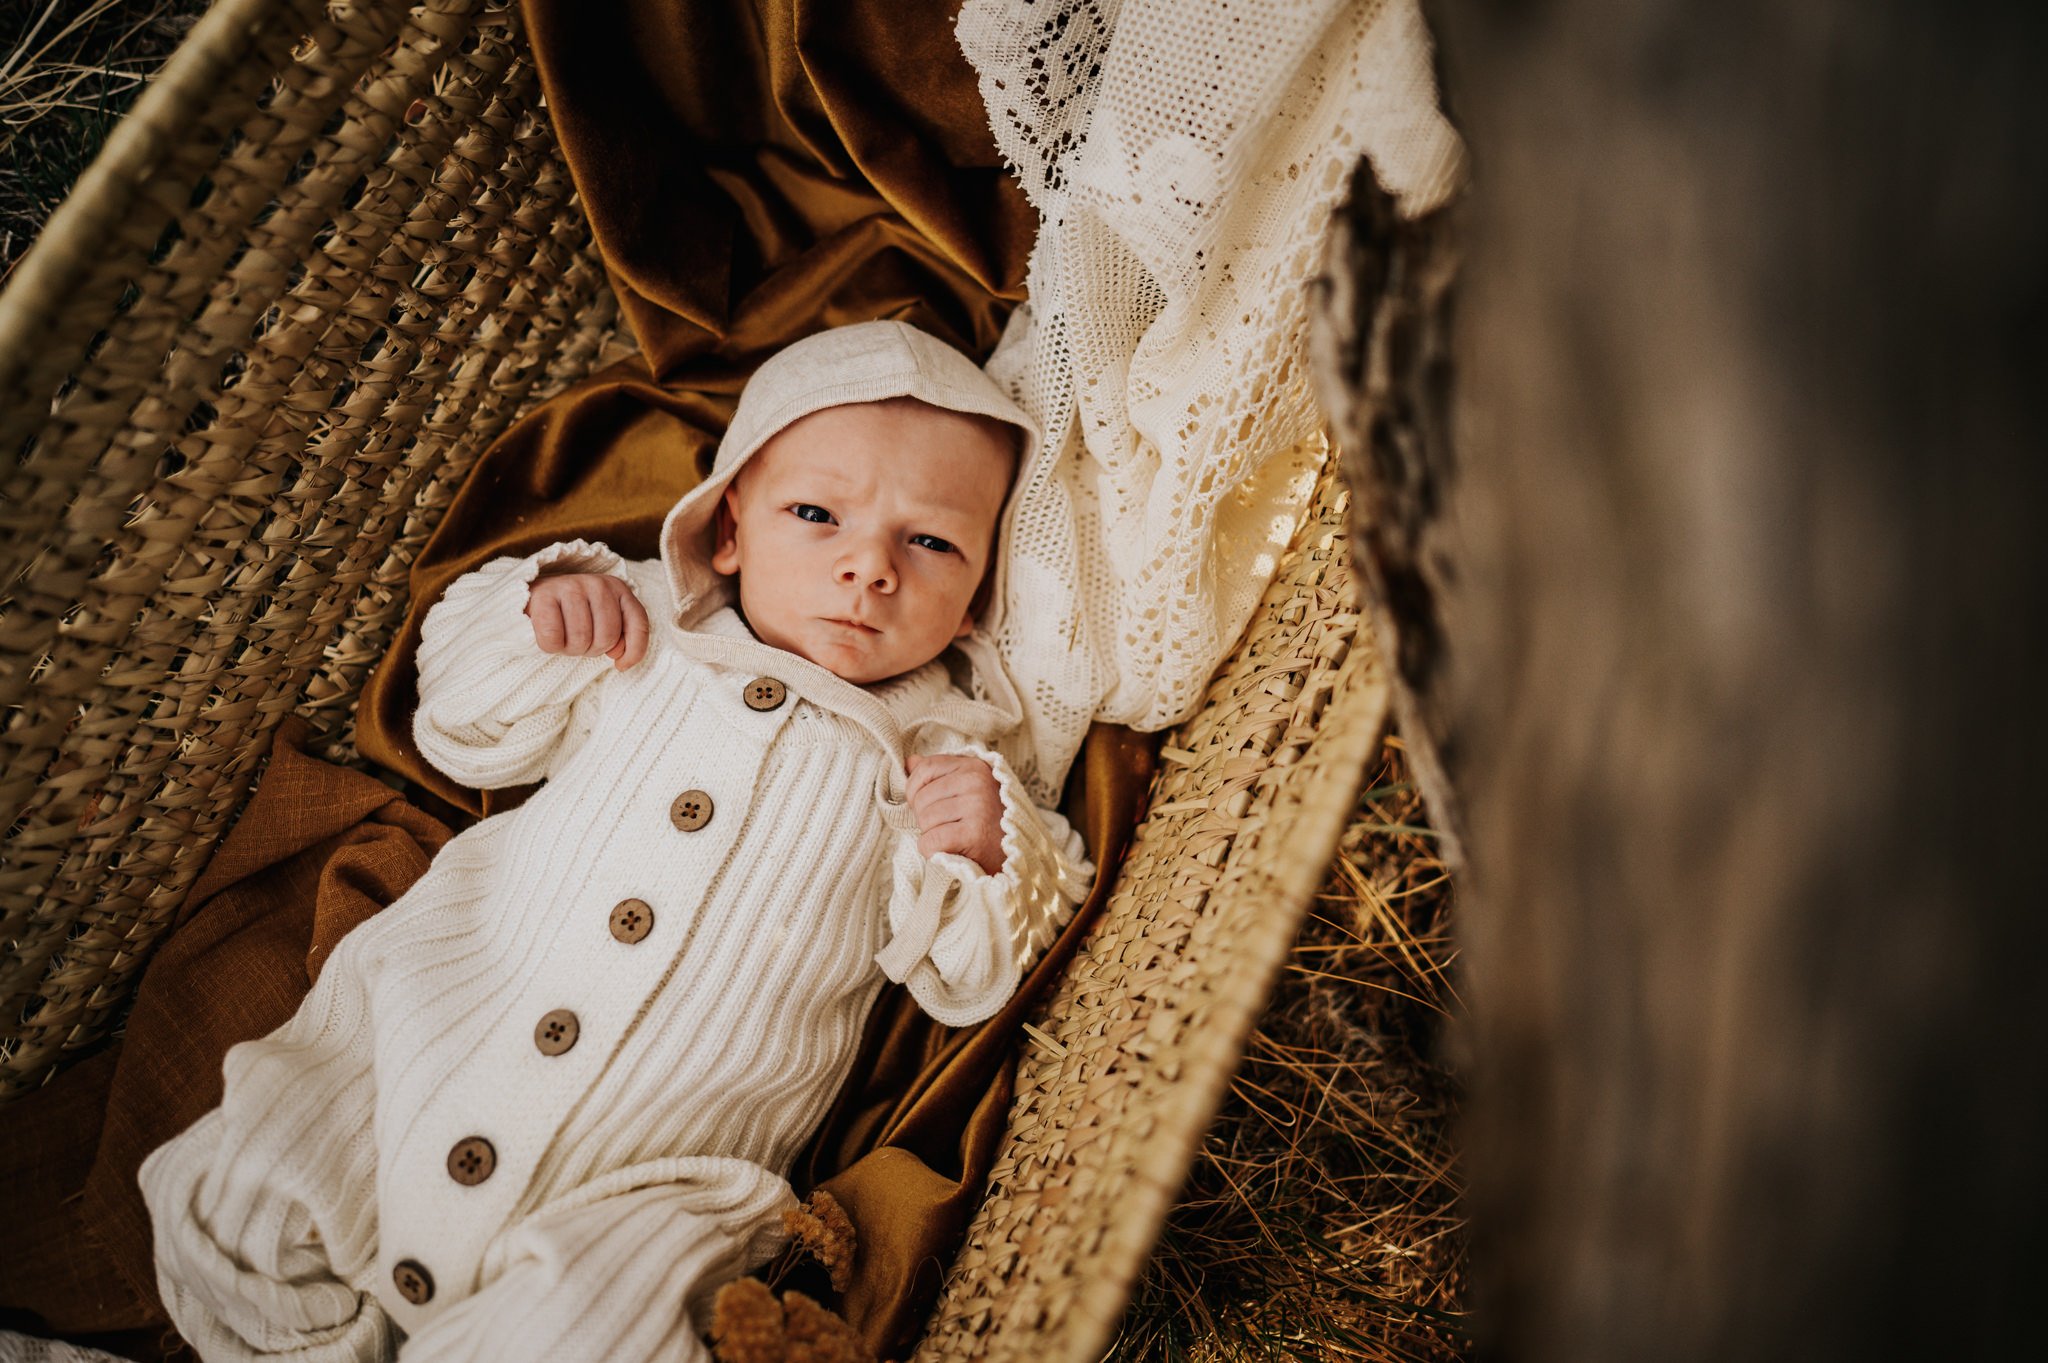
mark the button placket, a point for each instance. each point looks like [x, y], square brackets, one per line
[693, 809]
[480, 1176]
[623, 962]
[599, 973]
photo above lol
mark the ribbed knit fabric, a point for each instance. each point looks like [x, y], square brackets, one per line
[642, 1166]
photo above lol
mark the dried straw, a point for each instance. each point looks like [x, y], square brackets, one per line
[1321, 1219]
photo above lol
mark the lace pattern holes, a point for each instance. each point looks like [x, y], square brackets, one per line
[1185, 162]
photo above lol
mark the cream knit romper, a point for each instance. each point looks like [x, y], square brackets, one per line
[543, 1104]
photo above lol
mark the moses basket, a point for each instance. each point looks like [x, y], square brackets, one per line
[332, 253]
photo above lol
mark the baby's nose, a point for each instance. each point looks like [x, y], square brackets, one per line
[868, 568]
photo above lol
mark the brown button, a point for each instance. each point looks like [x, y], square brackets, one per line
[415, 1284]
[556, 1032]
[471, 1160]
[765, 693]
[691, 811]
[631, 921]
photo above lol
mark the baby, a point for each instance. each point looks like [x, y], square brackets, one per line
[543, 1105]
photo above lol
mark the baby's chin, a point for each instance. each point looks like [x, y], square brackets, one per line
[849, 663]
[852, 658]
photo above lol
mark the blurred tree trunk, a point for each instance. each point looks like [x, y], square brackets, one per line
[1702, 475]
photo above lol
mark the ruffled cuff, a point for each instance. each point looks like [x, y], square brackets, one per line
[960, 938]
[1045, 858]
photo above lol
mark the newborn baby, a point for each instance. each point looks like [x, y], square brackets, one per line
[542, 1106]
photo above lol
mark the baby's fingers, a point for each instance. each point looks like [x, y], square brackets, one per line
[633, 647]
[944, 806]
[600, 618]
[942, 768]
[964, 837]
[550, 631]
[918, 770]
[947, 837]
[586, 614]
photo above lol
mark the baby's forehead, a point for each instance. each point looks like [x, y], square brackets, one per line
[871, 438]
[904, 411]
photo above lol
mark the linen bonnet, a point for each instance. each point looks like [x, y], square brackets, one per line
[863, 362]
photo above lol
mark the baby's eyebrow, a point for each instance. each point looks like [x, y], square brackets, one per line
[829, 480]
[948, 521]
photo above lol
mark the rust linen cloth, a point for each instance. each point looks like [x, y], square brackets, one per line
[318, 850]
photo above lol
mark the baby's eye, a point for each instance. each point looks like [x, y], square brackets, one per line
[812, 513]
[932, 542]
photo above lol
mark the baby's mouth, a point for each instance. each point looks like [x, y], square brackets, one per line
[854, 625]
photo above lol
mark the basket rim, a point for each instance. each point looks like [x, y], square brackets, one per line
[43, 279]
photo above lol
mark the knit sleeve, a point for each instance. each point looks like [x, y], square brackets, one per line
[960, 938]
[494, 709]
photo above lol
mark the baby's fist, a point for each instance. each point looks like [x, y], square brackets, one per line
[588, 613]
[959, 808]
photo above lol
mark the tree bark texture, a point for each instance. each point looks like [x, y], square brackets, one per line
[1701, 486]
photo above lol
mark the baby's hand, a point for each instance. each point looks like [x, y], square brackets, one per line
[959, 807]
[588, 613]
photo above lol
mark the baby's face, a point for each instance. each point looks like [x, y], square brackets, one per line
[860, 533]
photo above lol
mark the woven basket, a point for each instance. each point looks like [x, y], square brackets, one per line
[330, 255]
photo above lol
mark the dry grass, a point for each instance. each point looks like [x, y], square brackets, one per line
[1321, 1220]
[68, 70]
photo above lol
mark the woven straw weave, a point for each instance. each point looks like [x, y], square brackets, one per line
[331, 254]
[1128, 1058]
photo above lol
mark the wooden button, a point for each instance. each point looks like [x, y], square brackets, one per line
[631, 921]
[415, 1284]
[471, 1160]
[691, 811]
[555, 1032]
[765, 693]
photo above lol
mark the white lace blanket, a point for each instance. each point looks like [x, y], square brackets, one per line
[1184, 157]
